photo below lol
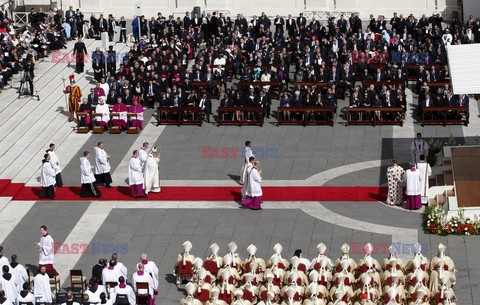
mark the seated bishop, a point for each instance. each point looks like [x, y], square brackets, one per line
[361, 266]
[439, 275]
[269, 288]
[342, 293]
[412, 278]
[252, 250]
[392, 255]
[293, 283]
[395, 281]
[250, 291]
[420, 296]
[352, 265]
[213, 262]
[325, 267]
[316, 293]
[233, 274]
[295, 268]
[236, 262]
[269, 299]
[448, 297]
[197, 267]
[425, 263]
[226, 289]
[278, 273]
[448, 263]
[104, 110]
[214, 299]
[282, 262]
[184, 264]
[257, 277]
[120, 119]
[438, 288]
[190, 298]
[394, 296]
[344, 276]
[203, 286]
[386, 278]
[321, 248]
[291, 296]
[416, 281]
[239, 299]
[366, 289]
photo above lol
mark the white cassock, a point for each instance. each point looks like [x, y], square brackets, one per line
[110, 275]
[25, 298]
[20, 275]
[55, 162]
[135, 173]
[105, 111]
[47, 175]
[86, 169]
[151, 175]
[46, 250]
[243, 170]
[425, 172]
[94, 296]
[4, 261]
[102, 165]
[254, 189]
[144, 278]
[151, 268]
[128, 291]
[42, 291]
[142, 155]
[413, 179]
[9, 286]
[105, 87]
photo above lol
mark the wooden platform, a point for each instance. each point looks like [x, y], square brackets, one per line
[466, 174]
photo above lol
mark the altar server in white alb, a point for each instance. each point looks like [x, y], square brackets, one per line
[3, 259]
[102, 165]
[88, 178]
[413, 179]
[25, 296]
[8, 284]
[143, 154]
[151, 172]
[42, 291]
[135, 176]
[55, 162]
[19, 272]
[425, 173]
[151, 268]
[248, 153]
[45, 248]
[47, 178]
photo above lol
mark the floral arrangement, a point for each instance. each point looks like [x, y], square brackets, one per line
[435, 221]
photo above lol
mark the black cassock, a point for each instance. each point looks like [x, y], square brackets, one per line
[80, 50]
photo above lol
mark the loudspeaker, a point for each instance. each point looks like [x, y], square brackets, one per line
[197, 10]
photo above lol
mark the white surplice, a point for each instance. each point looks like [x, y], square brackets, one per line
[46, 254]
[9, 286]
[151, 268]
[254, 189]
[105, 111]
[144, 278]
[425, 172]
[120, 267]
[55, 161]
[102, 165]
[110, 275]
[128, 291]
[47, 175]
[42, 290]
[86, 170]
[413, 179]
[94, 296]
[20, 275]
[135, 173]
[28, 298]
[151, 175]
[3, 261]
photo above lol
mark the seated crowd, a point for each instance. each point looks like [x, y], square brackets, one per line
[175, 61]
[231, 280]
[109, 284]
[32, 41]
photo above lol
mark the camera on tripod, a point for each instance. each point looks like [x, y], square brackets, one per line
[27, 67]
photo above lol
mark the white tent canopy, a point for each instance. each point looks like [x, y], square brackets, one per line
[464, 65]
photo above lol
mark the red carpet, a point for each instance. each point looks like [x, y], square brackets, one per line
[213, 193]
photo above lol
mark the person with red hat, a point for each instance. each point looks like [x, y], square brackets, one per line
[74, 97]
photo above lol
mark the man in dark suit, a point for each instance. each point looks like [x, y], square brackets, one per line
[102, 24]
[265, 102]
[342, 24]
[265, 21]
[279, 23]
[301, 21]
[92, 99]
[93, 33]
[206, 105]
[291, 26]
[151, 93]
[80, 51]
[187, 20]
